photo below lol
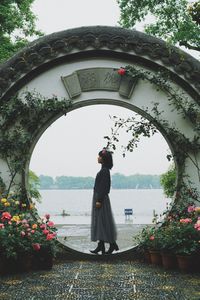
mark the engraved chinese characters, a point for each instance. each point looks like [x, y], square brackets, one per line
[98, 79]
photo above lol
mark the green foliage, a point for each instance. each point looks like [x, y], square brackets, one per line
[33, 186]
[168, 182]
[149, 238]
[137, 181]
[180, 234]
[21, 118]
[141, 127]
[119, 181]
[46, 182]
[17, 25]
[138, 126]
[175, 21]
[21, 233]
[70, 182]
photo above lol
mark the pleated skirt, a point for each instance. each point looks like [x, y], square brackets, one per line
[102, 224]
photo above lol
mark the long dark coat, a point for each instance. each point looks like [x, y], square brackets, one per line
[102, 226]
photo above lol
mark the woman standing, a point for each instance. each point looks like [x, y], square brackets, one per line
[103, 227]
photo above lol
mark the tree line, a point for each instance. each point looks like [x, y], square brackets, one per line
[119, 181]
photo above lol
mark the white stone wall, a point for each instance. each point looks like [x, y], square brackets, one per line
[144, 95]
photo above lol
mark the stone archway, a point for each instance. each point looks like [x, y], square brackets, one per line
[80, 66]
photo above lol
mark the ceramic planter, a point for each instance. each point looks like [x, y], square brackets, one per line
[169, 260]
[186, 263]
[156, 258]
[147, 256]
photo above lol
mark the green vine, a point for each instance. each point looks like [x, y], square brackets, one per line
[183, 147]
[180, 102]
[20, 120]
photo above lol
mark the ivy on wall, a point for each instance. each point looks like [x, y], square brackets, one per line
[21, 118]
[183, 147]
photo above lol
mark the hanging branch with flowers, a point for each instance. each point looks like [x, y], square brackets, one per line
[183, 147]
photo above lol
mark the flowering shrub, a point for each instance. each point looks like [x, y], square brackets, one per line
[179, 235]
[21, 233]
[149, 238]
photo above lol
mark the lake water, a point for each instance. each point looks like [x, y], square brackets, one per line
[77, 203]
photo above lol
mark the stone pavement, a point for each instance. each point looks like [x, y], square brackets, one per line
[84, 280]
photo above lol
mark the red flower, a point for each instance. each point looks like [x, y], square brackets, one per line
[50, 236]
[43, 226]
[45, 231]
[121, 71]
[152, 237]
[6, 216]
[36, 246]
[47, 216]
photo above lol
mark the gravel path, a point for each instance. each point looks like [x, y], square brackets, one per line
[122, 280]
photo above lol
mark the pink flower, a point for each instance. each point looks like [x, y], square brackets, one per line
[47, 216]
[121, 71]
[191, 208]
[36, 246]
[6, 216]
[45, 231]
[24, 221]
[50, 236]
[50, 224]
[1, 226]
[32, 231]
[197, 225]
[22, 233]
[43, 226]
[152, 237]
[186, 220]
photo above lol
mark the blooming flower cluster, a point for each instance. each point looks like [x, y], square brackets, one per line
[21, 232]
[121, 71]
[186, 220]
[179, 235]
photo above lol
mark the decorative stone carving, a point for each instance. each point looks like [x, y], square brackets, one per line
[72, 85]
[46, 50]
[98, 79]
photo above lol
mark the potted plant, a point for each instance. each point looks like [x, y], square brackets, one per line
[181, 236]
[23, 237]
[155, 244]
[44, 243]
[149, 243]
[187, 244]
[15, 247]
[168, 246]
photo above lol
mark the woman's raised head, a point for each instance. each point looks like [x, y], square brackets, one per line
[106, 157]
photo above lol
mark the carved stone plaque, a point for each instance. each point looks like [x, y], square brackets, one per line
[127, 86]
[98, 79]
[72, 85]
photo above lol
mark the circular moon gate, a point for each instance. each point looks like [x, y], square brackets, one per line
[78, 67]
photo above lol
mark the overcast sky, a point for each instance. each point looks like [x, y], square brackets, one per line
[71, 144]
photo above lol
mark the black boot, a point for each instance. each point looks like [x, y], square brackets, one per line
[113, 247]
[100, 247]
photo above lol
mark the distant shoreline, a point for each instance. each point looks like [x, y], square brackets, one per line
[119, 181]
[76, 189]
